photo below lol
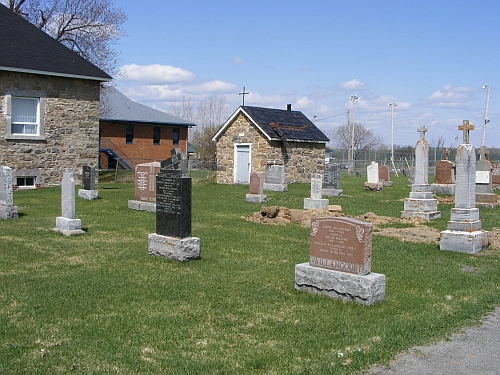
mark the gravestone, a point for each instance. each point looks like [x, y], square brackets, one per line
[67, 223]
[444, 176]
[173, 238]
[7, 208]
[339, 266]
[316, 201]
[275, 178]
[373, 180]
[495, 175]
[384, 175]
[484, 182]
[88, 191]
[145, 187]
[420, 204]
[463, 233]
[256, 192]
[331, 183]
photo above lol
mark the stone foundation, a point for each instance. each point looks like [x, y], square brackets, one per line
[275, 187]
[68, 227]
[142, 206]
[330, 192]
[256, 198]
[179, 249]
[366, 290]
[446, 189]
[89, 195]
[316, 204]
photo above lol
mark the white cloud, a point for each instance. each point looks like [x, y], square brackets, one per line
[450, 97]
[353, 84]
[155, 74]
[238, 61]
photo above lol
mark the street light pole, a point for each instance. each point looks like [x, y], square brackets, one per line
[392, 105]
[353, 99]
[485, 112]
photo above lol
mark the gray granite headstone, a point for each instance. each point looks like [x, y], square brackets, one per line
[332, 176]
[88, 177]
[422, 159]
[485, 197]
[275, 178]
[7, 210]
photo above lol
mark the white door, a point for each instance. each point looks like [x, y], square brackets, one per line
[242, 164]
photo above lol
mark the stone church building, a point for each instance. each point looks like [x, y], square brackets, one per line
[49, 105]
[254, 137]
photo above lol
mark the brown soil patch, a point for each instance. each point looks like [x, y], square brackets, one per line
[277, 215]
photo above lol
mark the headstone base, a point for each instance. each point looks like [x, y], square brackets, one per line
[331, 192]
[489, 200]
[68, 227]
[317, 204]
[179, 249]
[89, 195]
[275, 187]
[142, 206]
[447, 189]
[387, 183]
[422, 215]
[377, 186]
[256, 198]
[463, 242]
[8, 212]
[366, 290]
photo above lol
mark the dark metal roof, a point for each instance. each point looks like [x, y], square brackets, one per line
[116, 107]
[281, 125]
[25, 48]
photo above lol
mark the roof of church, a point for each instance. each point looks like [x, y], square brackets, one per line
[279, 125]
[116, 107]
[26, 48]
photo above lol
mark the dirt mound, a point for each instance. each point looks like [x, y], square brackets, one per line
[277, 215]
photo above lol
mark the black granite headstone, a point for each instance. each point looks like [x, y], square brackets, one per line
[88, 177]
[332, 176]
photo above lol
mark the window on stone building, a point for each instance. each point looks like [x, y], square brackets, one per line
[156, 135]
[25, 182]
[25, 116]
[129, 134]
[175, 136]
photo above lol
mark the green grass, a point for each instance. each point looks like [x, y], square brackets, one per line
[100, 304]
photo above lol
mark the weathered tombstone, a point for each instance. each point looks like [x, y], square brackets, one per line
[464, 233]
[420, 204]
[88, 191]
[373, 180]
[145, 187]
[173, 238]
[275, 178]
[7, 209]
[316, 201]
[67, 223]
[384, 175]
[495, 175]
[340, 262]
[256, 192]
[484, 183]
[444, 176]
[331, 183]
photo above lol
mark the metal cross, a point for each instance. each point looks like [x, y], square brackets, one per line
[465, 128]
[422, 131]
[244, 93]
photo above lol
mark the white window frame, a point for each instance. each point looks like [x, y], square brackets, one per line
[40, 126]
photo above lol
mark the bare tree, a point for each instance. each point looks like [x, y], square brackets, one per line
[88, 27]
[439, 143]
[184, 109]
[364, 139]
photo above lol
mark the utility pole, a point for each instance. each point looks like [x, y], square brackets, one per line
[485, 113]
[349, 167]
[353, 99]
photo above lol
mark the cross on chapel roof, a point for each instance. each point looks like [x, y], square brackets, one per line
[422, 131]
[465, 128]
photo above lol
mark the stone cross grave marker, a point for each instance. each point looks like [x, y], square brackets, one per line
[465, 181]
[421, 158]
[466, 127]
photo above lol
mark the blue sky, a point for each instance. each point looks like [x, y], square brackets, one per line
[432, 58]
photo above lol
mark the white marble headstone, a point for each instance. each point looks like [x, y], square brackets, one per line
[465, 180]
[372, 173]
[6, 197]
[316, 185]
[421, 162]
[68, 195]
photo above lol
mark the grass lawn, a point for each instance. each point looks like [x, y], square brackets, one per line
[100, 304]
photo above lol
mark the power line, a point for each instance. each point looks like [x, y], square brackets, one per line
[321, 119]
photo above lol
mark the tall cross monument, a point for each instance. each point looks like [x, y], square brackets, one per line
[466, 127]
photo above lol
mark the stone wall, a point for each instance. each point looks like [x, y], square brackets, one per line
[71, 127]
[303, 158]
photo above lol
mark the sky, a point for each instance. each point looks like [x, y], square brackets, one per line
[430, 57]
